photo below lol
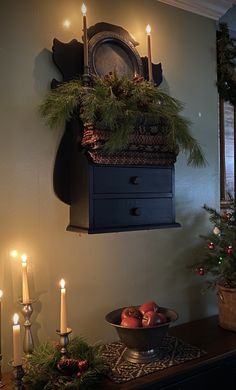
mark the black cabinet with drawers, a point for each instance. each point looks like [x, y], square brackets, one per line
[112, 198]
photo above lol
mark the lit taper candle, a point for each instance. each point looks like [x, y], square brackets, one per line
[149, 50]
[17, 359]
[84, 11]
[25, 285]
[63, 317]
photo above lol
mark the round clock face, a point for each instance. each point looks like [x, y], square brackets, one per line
[108, 52]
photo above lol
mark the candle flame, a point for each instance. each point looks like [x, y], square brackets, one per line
[14, 253]
[1, 294]
[84, 9]
[67, 23]
[62, 283]
[24, 258]
[148, 29]
[15, 319]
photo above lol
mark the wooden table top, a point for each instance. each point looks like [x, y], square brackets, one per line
[204, 333]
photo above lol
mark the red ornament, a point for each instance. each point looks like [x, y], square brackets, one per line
[229, 215]
[200, 271]
[211, 245]
[82, 365]
[230, 250]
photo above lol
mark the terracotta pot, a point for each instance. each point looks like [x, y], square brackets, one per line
[227, 307]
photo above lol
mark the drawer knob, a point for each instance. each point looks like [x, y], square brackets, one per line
[136, 211]
[135, 180]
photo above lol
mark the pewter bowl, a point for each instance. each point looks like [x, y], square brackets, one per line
[142, 343]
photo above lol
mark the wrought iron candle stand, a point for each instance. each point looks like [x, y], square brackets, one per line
[64, 341]
[28, 342]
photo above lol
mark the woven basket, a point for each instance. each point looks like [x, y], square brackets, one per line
[227, 307]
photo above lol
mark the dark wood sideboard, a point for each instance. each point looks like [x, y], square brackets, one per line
[215, 370]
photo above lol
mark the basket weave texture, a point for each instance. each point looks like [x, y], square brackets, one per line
[227, 307]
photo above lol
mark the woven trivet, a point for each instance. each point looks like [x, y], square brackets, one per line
[172, 351]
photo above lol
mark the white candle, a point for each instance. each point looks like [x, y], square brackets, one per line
[1, 294]
[63, 319]
[17, 359]
[25, 286]
[84, 10]
[148, 31]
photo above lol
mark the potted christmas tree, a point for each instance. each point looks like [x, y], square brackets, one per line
[219, 263]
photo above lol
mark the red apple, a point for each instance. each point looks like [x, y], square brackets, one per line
[152, 318]
[131, 322]
[162, 318]
[148, 306]
[131, 312]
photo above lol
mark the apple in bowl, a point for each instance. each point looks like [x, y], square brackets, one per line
[148, 306]
[131, 311]
[153, 318]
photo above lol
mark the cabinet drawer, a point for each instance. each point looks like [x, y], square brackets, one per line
[118, 180]
[132, 212]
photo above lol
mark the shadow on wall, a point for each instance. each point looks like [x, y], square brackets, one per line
[44, 72]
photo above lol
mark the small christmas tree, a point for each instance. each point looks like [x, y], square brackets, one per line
[219, 260]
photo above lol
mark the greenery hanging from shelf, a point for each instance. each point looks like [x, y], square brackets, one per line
[120, 105]
[226, 65]
[46, 370]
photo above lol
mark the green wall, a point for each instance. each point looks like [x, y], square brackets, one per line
[109, 270]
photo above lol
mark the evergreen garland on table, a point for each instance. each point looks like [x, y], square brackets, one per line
[226, 65]
[219, 261]
[82, 370]
[121, 106]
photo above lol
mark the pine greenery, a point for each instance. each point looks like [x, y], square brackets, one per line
[226, 65]
[219, 261]
[120, 105]
[43, 373]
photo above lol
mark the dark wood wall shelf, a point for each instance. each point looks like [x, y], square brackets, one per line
[108, 198]
[112, 198]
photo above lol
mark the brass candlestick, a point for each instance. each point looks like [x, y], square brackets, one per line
[28, 342]
[64, 341]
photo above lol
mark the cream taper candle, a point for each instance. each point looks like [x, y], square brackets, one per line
[25, 285]
[17, 358]
[84, 10]
[63, 316]
[149, 50]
